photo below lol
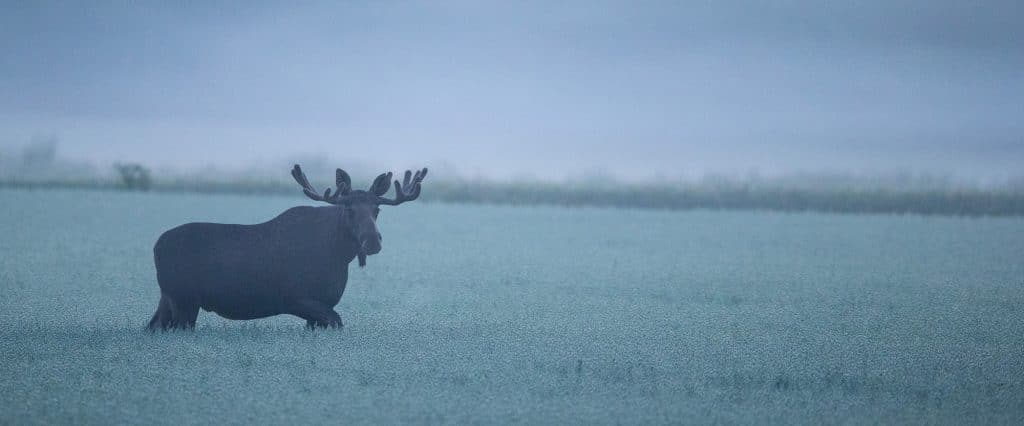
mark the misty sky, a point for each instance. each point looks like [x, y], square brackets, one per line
[632, 89]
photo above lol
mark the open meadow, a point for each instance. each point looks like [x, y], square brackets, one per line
[497, 314]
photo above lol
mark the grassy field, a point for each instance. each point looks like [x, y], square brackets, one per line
[489, 314]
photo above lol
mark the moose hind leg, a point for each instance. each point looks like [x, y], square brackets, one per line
[184, 313]
[162, 317]
[333, 322]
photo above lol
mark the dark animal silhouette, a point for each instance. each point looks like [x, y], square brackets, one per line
[296, 263]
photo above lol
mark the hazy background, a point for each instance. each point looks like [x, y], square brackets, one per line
[632, 90]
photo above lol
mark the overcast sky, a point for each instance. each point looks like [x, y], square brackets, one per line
[543, 89]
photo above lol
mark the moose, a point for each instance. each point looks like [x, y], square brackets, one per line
[296, 263]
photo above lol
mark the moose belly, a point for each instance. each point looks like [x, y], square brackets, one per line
[241, 305]
[237, 311]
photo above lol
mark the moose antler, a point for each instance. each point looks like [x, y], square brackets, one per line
[407, 190]
[343, 185]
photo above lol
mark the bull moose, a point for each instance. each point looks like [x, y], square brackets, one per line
[296, 263]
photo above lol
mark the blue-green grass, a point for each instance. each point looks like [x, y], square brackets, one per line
[493, 314]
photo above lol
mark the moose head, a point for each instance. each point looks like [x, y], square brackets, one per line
[361, 207]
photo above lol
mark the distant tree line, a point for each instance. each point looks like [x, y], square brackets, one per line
[928, 202]
[714, 196]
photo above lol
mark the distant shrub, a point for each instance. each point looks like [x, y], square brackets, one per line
[41, 152]
[134, 177]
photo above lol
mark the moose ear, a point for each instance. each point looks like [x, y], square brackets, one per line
[381, 185]
[342, 181]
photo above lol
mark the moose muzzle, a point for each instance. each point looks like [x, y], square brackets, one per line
[370, 243]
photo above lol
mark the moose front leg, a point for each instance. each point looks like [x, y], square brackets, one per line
[317, 315]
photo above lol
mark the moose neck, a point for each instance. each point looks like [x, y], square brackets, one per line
[346, 241]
